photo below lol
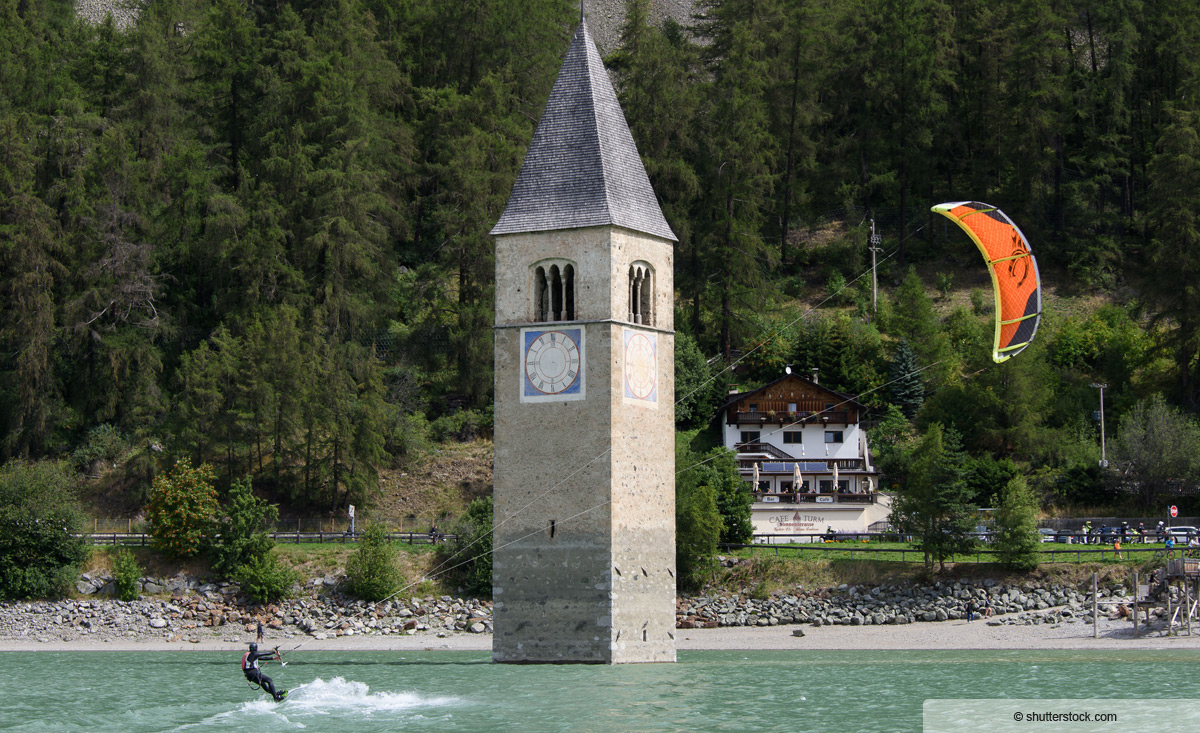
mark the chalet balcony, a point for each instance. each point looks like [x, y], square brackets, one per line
[791, 497]
[785, 461]
[839, 417]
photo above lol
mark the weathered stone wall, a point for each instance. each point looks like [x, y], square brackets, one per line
[600, 585]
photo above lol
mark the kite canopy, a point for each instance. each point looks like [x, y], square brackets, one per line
[1015, 276]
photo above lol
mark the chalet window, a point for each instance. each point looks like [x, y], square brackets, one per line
[641, 293]
[833, 436]
[753, 407]
[791, 407]
[554, 291]
[792, 436]
[750, 436]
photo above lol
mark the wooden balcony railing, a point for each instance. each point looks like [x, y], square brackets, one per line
[836, 417]
[791, 497]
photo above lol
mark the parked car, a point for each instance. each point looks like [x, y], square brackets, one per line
[1047, 534]
[1067, 537]
[1182, 533]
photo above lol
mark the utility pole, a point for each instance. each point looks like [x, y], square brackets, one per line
[875, 240]
[1103, 456]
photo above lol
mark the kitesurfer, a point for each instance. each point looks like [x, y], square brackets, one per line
[250, 668]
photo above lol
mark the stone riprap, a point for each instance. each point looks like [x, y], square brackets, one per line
[196, 611]
[189, 610]
[1027, 603]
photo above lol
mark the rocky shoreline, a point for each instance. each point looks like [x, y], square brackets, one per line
[854, 605]
[187, 609]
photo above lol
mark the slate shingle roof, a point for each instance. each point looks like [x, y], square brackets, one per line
[582, 168]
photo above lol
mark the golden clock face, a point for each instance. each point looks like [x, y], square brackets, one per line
[641, 366]
[553, 364]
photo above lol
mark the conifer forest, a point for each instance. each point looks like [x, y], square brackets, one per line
[256, 234]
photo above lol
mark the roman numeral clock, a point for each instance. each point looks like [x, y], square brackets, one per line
[552, 364]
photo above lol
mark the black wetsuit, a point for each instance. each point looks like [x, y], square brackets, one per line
[255, 675]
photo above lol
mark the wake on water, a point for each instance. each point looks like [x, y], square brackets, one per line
[336, 697]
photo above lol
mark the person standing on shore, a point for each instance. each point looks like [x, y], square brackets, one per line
[970, 610]
[259, 634]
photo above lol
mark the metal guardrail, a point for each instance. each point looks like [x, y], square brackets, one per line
[141, 539]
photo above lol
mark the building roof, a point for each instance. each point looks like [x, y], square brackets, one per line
[582, 168]
[845, 398]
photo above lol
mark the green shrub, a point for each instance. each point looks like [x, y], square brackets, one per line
[945, 283]
[243, 530]
[39, 512]
[126, 574]
[264, 579]
[371, 572]
[836, 285]
[462, 426]
[407, 437]
[104, 443]
[697, 529]
[469, 556]
[182, 509]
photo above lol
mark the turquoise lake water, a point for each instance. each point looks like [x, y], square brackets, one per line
[463, 691]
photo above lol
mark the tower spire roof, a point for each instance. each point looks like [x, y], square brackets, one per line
[582, 168]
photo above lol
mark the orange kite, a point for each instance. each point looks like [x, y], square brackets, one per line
[1015, 276]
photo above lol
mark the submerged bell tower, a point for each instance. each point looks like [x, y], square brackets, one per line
[584, 558]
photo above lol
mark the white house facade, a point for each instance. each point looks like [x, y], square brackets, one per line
[806, 459]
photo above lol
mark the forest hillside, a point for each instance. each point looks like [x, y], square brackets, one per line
[255, 235]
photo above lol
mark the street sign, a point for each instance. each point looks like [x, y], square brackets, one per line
[352, 510]
[1174, 511]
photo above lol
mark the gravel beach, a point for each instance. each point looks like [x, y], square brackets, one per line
[956, 634]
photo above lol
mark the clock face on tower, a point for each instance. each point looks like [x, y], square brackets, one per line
[641, 366]
[552, 364]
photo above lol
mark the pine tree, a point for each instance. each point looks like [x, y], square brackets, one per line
[1017, 541]
[736, 170]
[1175, 248]
[29, 271]
[905, 387]
[933, 502]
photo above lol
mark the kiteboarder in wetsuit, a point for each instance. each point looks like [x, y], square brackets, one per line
[250, 668]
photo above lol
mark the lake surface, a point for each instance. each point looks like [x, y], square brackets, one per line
[463, 691]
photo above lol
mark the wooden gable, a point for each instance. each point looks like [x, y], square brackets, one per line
[791, 399]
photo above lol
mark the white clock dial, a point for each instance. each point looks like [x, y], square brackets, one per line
[552, 363]
[640, 367]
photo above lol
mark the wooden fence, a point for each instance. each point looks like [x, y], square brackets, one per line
[141, 539]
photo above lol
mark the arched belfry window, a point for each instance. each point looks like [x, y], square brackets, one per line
[641, 293]
[554, 291]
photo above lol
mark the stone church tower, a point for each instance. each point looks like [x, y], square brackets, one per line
[584, 559]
